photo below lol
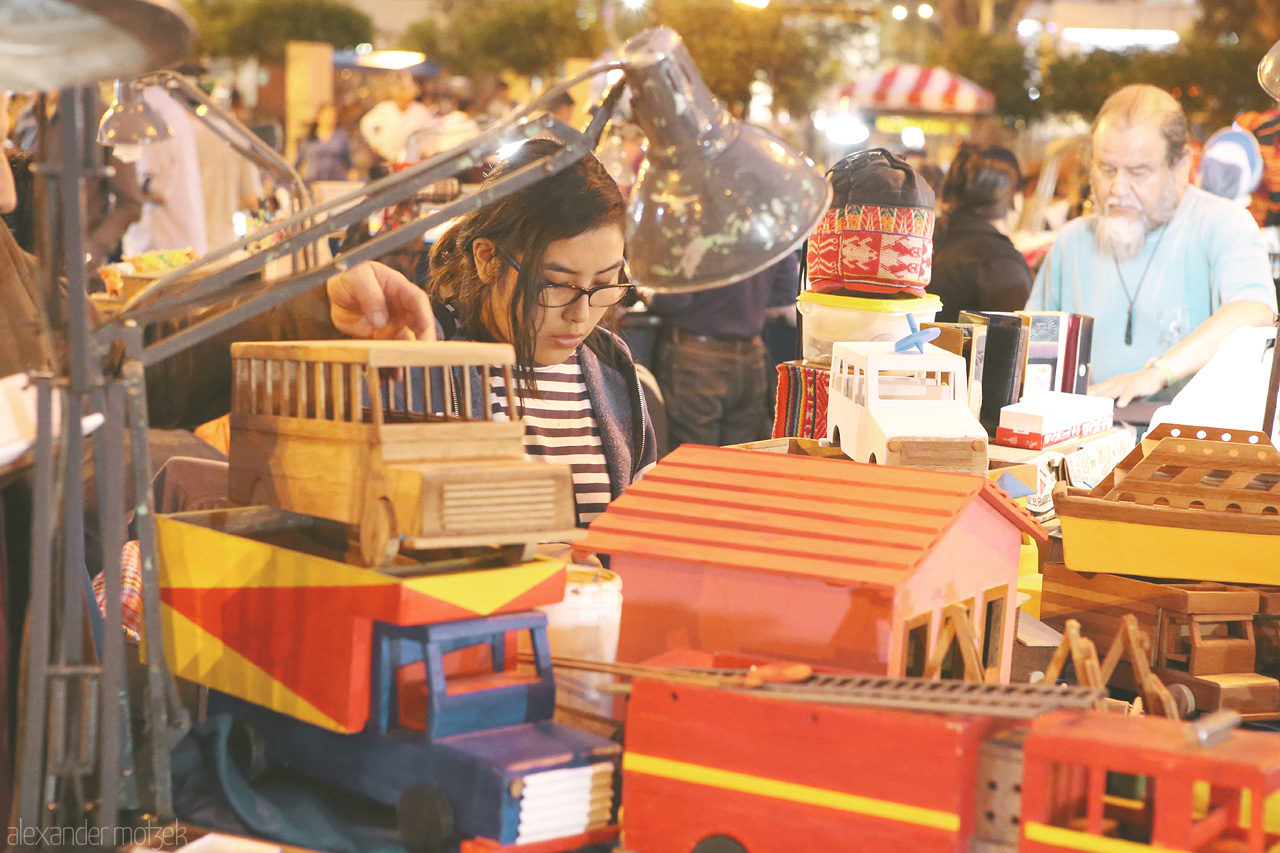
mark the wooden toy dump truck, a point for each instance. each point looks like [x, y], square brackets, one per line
[387, 436]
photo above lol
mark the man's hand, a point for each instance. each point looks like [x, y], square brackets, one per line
[373, 301]
[1130, 386]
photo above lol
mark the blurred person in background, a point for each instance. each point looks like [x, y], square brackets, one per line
[173, 211]
[229, 184]
[1265, 203]
[975, 265]
[388, 126]
[711, 360]
[325, 154]
[453, 127]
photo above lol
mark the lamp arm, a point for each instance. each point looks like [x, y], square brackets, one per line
[177, 294]
[178, 291]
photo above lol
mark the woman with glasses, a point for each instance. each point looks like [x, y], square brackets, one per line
[539, 269]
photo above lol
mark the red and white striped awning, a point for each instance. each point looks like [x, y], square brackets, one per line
[916, 88]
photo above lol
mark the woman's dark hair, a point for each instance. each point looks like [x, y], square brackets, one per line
[576, 200]
[981, 182]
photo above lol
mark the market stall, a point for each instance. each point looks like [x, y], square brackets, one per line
[915, 108]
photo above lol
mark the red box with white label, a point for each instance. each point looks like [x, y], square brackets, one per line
[1052, 417]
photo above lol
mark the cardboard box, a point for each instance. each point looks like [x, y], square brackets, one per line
[1051, 417]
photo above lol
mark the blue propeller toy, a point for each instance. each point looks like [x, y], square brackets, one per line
[915, 338]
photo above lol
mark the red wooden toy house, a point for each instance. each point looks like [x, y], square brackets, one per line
[825, 561]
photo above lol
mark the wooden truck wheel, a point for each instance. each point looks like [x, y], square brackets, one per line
[379, 543]
[246, 749]
[719, 844]
[424, 819]
[1184, 699]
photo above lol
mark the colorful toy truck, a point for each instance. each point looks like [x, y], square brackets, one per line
[903, 408]
[463, 752]
[400, 685]
[915, 766]
[383, 435]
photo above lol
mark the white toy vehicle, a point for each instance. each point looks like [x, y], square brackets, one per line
[903, 408]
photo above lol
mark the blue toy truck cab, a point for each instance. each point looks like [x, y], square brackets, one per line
[479, 759]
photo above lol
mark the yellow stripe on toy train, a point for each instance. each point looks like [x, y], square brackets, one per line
[1072, 839]
[778, 790]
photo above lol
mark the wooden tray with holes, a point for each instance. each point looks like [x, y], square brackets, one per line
[1190, 503]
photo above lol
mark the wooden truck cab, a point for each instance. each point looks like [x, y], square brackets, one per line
[903, 408]
[384, 435]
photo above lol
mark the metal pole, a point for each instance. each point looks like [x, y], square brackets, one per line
[162, 698]
[1273, 386]
[116, 786]
[39, 630]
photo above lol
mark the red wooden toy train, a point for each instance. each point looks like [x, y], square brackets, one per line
[722, 771]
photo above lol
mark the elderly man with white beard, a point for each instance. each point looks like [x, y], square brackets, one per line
[1166, 270]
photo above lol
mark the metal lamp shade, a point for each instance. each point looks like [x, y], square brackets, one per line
[130, 120]
[52, 44]
[1269, 71]
[716, 200]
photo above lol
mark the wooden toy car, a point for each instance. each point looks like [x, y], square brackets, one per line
[384, 435]
[903, 408]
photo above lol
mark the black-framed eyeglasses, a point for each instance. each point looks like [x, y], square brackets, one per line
[552, 295]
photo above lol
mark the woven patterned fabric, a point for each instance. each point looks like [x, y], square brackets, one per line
[801, 410]
[872, 249]
[131, 592]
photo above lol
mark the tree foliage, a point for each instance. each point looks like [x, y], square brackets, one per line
[1239, 19]
[261, 28]
[996, 62]
[1213, 80]
[733, 45]
[529, 37]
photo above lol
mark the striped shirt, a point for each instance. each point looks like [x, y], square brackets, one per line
[560, 425]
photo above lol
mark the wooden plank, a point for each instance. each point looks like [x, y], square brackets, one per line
[700, 542]
[1188, 519]
[303, 379]
[302, 427]
[322, 392]
[823, 533]
[838, 507]
[850, 573]
[909, 481]
[379, 353]
[780, 485]
[339, 392]
[355, 374]
[241, 395]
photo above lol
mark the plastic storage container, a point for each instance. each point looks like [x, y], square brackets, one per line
[585, 625]
[829, 318]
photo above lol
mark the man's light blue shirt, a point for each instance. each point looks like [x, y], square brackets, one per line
[1209, 254]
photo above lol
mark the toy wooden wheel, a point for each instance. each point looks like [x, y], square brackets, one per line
[247, 750]
[1183, 699]
[425, 819]
[379, 543]
[719, 844]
